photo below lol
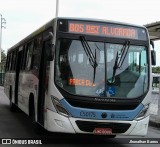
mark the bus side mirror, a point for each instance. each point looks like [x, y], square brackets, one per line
[153, 57]
[152, 43]
[153, 53]
[50, 47]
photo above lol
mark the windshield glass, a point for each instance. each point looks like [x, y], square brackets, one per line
[78, 75]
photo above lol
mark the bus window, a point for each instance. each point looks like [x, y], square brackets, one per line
[7, 63]
[13, 61]
[80, 57]
[23, 57]
[143, 62]
[10, 61]
[134, 61]
[74, 70]
[29, 55]
[37, 54]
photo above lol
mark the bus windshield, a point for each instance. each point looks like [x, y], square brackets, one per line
[111, 70]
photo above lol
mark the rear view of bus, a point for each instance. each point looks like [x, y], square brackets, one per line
[101, 79]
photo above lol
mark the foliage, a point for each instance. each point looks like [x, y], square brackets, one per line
[156, 69]
[3, 56]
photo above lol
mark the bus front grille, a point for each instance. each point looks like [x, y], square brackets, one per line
[88, 126]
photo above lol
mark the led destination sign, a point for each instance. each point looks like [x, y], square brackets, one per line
[80, 82]
[108, 30]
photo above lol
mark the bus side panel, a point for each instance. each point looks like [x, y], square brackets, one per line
[9, 85]
[28, 84]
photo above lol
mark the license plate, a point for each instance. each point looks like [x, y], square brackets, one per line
[102, 131]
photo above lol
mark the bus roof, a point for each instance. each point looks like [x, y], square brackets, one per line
[51, 23]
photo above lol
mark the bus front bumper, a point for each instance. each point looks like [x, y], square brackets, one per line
[55, 122]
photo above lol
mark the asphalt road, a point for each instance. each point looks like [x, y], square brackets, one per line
[18, 125]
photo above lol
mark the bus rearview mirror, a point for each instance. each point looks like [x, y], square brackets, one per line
[152, 44]
[153, 57]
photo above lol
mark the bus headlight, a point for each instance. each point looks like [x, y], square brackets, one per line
[59, 108]
[143, 112]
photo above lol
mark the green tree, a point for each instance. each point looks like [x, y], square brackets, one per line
[3, 56]
[156, 69]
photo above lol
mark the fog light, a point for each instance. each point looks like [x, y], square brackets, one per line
[60, 123]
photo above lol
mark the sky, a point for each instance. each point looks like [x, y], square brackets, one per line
[25, 16]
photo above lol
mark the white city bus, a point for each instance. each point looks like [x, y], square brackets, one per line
[83, 76]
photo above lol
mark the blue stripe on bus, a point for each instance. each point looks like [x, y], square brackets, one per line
[101, 114]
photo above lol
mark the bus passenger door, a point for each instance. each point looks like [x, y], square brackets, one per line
[43, 82]
[18, 65]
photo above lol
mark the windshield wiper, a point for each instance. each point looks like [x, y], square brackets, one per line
[120, 57]
[89, 53]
